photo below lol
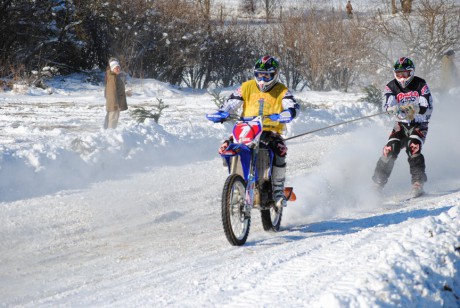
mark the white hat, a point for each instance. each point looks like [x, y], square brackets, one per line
[114, 64]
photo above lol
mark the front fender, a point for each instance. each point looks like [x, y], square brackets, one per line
[241, 150]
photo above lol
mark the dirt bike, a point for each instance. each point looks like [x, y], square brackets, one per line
[248, 184]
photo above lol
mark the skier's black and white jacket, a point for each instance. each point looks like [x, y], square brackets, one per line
[417, 92]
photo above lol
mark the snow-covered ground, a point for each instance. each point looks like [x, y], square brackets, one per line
[131, 217]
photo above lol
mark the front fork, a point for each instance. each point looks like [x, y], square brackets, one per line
[251, 183]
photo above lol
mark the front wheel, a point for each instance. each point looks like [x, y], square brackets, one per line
[235, 221]
[271, 218]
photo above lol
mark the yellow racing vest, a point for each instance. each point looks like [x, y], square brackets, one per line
[272, 103]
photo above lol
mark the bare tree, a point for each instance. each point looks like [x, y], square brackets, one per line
[248, 6]
[320, 51]
[180, 42]
[290, 48]
[269, 8]
[204, 6]
[394, 9]
[424, 35]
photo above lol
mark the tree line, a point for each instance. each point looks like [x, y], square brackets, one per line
[195, 44]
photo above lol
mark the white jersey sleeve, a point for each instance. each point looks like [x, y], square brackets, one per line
[234, 102]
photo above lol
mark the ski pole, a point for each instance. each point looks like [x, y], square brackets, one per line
[341, 123]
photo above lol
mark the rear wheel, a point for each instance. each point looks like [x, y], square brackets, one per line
[271, 218]
[235, 222]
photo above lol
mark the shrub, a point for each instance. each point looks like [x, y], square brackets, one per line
[373, 95]
[217, 98]
[140, 113]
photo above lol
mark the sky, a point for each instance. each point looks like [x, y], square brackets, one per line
[131, 217]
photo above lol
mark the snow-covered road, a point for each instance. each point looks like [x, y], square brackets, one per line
[155, 238]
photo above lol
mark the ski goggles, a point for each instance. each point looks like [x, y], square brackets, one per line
[265, 76]
[402, 74]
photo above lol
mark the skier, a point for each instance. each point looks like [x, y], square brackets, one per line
[408, 98]
[277, 99]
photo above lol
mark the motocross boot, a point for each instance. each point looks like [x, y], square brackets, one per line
[278, 177]
[382, 171]
[417, 189]
[417, 170]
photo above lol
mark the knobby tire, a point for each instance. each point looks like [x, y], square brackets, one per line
[271, 218]
[236, 225]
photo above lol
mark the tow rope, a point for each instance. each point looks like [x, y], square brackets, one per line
[341, 123]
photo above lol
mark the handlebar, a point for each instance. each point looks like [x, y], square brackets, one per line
[274, 117]
[220, 116]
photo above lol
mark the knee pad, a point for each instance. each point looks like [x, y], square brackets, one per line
[279, 147]
[392, 149]
[414, 147]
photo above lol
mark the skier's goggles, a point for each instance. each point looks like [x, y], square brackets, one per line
[265, 76]
[402, 74]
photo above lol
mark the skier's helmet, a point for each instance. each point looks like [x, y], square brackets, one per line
[404, 70]
[266, 72]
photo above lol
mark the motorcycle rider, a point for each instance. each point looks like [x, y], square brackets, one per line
[409, 99]
[277, 100]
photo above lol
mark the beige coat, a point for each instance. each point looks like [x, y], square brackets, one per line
[115, 96]
[449, 74]
[349, 8]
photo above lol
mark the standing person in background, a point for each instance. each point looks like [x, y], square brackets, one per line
[449, 72]
[349, 9]
[115, 96]
[409, 99]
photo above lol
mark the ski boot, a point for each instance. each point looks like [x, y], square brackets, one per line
[417, 189]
